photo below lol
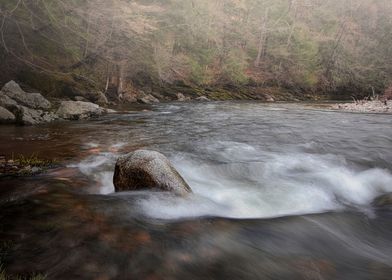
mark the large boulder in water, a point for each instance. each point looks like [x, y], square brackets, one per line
[28, 116]
[143, 169]
[31, 100]
[78, 110]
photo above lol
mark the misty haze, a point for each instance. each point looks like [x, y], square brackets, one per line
[196, 139]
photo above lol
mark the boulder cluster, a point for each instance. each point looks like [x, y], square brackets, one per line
[148, 98]
[25, 108]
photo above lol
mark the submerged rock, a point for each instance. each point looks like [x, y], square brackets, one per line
[6, 116]
[30, 100]
[143, 169]
[78, 110]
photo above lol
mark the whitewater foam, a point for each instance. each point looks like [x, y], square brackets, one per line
[247, 182]
[282, 185]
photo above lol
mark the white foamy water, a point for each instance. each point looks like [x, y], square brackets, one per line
[278, 185]
[251, 183]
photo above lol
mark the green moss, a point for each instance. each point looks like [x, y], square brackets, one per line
[34, 160]
[26, 165]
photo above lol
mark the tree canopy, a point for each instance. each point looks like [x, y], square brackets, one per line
[308, 45]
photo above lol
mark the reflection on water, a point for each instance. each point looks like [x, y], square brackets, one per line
[274, 168]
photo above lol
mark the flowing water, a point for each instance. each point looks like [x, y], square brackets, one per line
[281, 191]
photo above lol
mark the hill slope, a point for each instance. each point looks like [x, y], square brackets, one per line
[212, 47]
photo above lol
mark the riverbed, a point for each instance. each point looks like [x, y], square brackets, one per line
[281, 191]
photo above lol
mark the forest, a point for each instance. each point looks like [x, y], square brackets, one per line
[196, 139]
[310, 48]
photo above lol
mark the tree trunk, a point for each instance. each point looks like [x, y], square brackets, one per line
[107, 78]
[120, 79]
[87, 35]
[262, 40]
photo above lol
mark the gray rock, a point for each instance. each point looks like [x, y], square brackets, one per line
[181, 97]
[80, 98]
[31, 100]
[269, 98]
[49, 117]
[6, 102]
[202, 98]
[79, 110]
[28, 116]
[143, 169]
[6, 116]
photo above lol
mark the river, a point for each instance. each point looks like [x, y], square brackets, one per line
[281, 191]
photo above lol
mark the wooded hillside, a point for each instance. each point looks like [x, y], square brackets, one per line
[64, 47]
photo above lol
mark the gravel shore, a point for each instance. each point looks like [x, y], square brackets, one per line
[366, 106]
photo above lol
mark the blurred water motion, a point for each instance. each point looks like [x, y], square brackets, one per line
[281, 191]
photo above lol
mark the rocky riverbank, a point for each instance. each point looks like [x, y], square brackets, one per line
[376, 106]
[23, 108]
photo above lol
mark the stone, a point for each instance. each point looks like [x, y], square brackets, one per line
[181, 97]
[269, 98]
[144, 169]
[49, 117]
[28, 116]
[202, 98]
[6, 116]
[79, 110]
[80, 98]
[6, 102]
[30, 100]
[365, 106]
